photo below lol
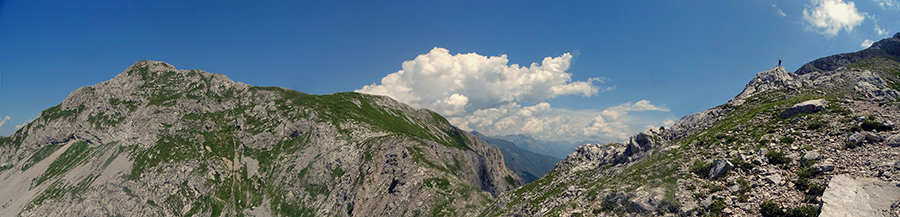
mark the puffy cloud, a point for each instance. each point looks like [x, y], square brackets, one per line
[888, 4]
[463, 83]
[828, 17]
[880, 31]
[489, 95]
[3, 122]
[615, 123]
[778, 10]
[866, 43]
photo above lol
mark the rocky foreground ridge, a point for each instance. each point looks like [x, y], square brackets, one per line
[821, 141]
[158, 141]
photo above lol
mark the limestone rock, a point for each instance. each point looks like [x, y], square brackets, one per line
[806, 107]
[775, 179]
[719, 168]
[893, 141]
[823, 167]
[647, 201]
[811, 155]
[773, 79]
[846, 196]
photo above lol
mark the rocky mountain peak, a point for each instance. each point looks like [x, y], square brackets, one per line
[156, 140]
[773, 79]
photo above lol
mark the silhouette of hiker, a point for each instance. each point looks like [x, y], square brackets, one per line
[779, 62]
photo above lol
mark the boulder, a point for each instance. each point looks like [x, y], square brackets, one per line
[893, 141]
[823, 168]
[803, 107]
[873, 137]
[647, 201]
[811, 155]
[719, 168]
[763, 152]
[846, 196]
[856, 139]
[775, 179]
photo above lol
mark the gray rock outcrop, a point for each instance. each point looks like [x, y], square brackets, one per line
[773, 79]
[719, 168]
[805, 107]
[893, 141]
[846, 196]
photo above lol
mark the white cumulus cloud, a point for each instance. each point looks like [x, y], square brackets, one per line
[866, 43]
[888, 4]
[3, 122]
[880, 31]
[489, 95]
[464, 83]
[828, 17]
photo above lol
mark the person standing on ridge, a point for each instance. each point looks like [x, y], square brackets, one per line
[779, 62]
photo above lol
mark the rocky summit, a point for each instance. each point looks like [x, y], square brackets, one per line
[819, 141]
[158, 141]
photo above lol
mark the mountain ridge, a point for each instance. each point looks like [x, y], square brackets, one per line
[158, 141]
[746, 157]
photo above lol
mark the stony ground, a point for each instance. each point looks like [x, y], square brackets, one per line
[773, 150]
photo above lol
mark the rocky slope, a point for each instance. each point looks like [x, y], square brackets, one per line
[822, 139]
[528, 165]
[157, 141]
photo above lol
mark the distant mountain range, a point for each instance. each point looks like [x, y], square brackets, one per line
[557, 149]
[528, 165]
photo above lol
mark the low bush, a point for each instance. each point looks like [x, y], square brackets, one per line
[770, 209]
[776, 157]
[701, 168]
[787, 140]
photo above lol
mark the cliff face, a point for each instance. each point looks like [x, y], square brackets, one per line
[789, 144]
[157, 141]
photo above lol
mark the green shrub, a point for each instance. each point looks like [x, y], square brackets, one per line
[803, 211]
[745, 185]
[715, 188]
[715, 209]
[777, 157]
[869, 125]
[743, 165]
[769, 208]
[815, 189]
[701, 168]
[816, 125]
[787, 140]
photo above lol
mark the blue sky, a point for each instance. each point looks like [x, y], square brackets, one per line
[616, 67]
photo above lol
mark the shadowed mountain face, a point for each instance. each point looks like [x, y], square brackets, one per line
[813, 142]
[528, 165]
[157, 141]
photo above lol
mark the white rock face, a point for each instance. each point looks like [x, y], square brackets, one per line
[846, 196]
